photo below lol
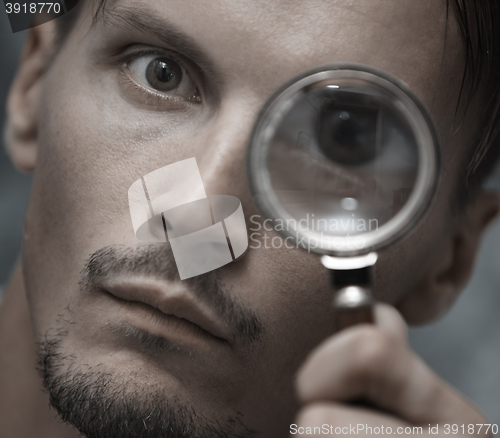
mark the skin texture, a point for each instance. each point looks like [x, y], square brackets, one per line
[87, 137]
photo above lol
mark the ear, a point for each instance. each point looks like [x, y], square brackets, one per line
[452, 264]
[22, 103]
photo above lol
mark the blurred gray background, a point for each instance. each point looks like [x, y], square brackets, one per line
[463, 347]
[14, 187]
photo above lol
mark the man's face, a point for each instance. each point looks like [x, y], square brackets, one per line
[102, 126]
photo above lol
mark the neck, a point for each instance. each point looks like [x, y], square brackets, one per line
[24, 408]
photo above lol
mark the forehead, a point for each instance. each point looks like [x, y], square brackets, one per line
[274, 40]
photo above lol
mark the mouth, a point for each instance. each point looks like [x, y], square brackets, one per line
[167, 310]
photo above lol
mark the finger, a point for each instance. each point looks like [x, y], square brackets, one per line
[370, 362]
[332, 419]
[391, 321]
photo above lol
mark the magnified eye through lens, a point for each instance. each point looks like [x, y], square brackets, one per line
[342, 153]
[347, 134]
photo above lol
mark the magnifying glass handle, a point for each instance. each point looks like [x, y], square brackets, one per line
[353, 299]
[353, 305]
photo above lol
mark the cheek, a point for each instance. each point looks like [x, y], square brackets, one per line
[290, 289]
[91, 148]
[404, 265]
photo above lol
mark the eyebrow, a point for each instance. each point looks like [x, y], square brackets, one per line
[147, 21]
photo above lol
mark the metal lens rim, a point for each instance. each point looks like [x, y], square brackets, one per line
[415, 114]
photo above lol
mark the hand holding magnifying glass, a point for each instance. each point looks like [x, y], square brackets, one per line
[346, 158]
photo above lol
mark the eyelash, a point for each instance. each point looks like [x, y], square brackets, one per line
[149, 96]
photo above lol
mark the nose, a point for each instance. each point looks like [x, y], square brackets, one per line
[221, 150]
[222, 163]
[222, 160]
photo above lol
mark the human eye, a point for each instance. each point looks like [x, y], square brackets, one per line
[160, 81]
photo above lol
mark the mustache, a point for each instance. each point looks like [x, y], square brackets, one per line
[157, 260]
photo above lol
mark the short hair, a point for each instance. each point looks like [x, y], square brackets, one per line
[479, 24]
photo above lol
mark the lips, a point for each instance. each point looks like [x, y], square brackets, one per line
[175, 304]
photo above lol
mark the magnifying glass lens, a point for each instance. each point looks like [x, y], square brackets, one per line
[344, 153]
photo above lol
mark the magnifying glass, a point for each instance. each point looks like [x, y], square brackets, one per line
[345, 160]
